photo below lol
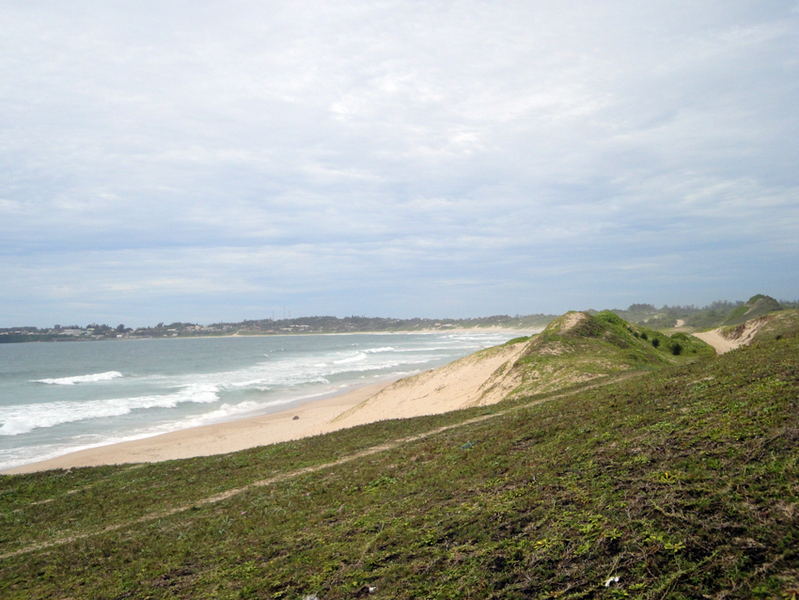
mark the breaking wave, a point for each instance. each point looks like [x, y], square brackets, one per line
[22, 419]
[91, 378]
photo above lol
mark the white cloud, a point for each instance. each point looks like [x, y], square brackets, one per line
[307, 150]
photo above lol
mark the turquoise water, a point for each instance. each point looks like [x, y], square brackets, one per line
[60, 397]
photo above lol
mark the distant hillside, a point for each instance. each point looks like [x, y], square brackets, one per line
[299, 325]
[376, 324]
[756, 306]
[699, 318]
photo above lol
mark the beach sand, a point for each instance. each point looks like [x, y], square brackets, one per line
[461, 384]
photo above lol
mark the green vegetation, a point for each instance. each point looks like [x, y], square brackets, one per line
[578, 347]
[681, 481]
[517, 340]
[708, 317]
[757, 306]
[779, 324]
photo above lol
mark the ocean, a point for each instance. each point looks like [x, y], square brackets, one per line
[59, 397]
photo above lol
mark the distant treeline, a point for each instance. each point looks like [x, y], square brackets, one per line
[356, 324]
[353, 324]
[721, 312]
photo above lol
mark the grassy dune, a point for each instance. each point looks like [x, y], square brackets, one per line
[680, 479]
[578, 347]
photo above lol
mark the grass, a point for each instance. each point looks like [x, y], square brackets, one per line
[681, 481]
[579, 347]
[756, 306]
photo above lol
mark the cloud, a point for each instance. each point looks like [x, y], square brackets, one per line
[158, 156]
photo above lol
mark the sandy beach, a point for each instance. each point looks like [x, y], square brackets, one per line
[461, 384]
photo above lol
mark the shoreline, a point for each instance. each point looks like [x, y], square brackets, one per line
[460, 384]
[314, 417]
[490, 329]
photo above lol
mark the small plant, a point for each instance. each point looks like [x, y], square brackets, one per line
[655, 342]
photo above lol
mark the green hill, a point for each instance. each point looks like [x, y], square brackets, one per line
[779, 324]
[756, 306]
[579, 347]
[679, 482]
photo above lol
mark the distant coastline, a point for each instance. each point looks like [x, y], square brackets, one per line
[298, 326]
[685, 318]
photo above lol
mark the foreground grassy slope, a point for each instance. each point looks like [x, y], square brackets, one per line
[681, 482]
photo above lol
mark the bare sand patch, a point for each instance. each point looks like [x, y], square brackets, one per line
[723, 339]
[571, 320]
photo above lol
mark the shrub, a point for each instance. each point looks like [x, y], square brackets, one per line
[655, 342]
[610, 317]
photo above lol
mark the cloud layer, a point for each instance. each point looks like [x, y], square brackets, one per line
[204, 162]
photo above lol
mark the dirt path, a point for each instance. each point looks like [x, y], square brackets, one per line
[299, 472]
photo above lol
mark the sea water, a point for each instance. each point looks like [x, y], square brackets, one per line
[59, 397]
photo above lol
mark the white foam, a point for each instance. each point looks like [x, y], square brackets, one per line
[22, 419]
[282, 376]
[223, 413]
[91, 378]
[351, 359]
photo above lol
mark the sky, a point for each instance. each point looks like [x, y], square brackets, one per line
[206, 161]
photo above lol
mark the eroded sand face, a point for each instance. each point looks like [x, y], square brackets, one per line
[464, 383]
[740, 336]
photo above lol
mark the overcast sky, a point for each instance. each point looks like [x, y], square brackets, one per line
[207, 161]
